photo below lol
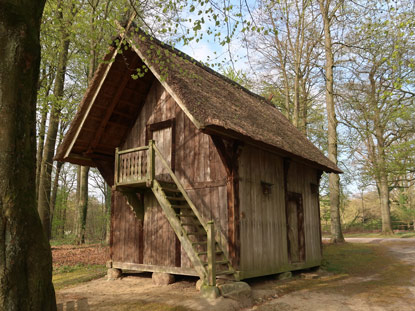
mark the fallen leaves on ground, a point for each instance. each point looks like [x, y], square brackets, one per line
[71, 255]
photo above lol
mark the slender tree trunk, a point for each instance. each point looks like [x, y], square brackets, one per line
[63, 218]
[380, 158]
[54, 193]
[303, 107]
[334, 179]
[108, 214]
[25, 256]
[49, 148]
[296, 117]
[39, 151]
[78, 192]
[83, 204]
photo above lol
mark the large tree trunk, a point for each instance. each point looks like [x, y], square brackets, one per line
[25, 256]
[380, 159]
[83, 204]
[334, 180]
[384, 204]
[49, 148]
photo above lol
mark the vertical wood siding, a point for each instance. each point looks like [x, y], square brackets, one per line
[126, 232]
[263, 230]
[300, 180]
[199, 169]
[264, 247]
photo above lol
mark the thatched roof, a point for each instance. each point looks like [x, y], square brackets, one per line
[213, 102]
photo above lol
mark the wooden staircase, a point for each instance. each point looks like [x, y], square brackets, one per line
[205, 247]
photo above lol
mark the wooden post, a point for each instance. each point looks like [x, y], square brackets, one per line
[150, 163]
[117, 166]
[211, 253]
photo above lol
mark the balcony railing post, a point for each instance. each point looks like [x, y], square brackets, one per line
[151, 163]
[211, 253]
[117, 166]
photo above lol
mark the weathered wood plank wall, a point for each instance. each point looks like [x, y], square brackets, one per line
[300, 180]
[127, 232]
[264, 247]
[263, 230]
[199, 169]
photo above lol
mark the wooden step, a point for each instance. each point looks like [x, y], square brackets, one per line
[191, 224]
[175, 198]
[199, 243]
[225, 272]
[219, 262]
[166, 189]
[184, 215]
[197, 233]
[222, 262]
[180, 206]
[205, 253]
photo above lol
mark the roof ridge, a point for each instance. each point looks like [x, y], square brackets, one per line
[203, 66]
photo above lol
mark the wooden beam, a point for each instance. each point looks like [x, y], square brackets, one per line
[223, 154]
[154, 268]
[111, 61]
[221, 132]
[111, 107]
[101, 156]
[229, 156]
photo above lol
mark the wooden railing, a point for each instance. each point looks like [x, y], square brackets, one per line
[132, 166]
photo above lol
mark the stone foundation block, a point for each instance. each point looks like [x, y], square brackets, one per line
[113, 274]
[162, 279]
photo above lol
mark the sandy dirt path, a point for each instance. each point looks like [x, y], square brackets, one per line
[346, 299]
[327, 293]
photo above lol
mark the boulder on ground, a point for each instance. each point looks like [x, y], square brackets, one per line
[113, 274]
[162, 279]
[211, 292]
[284, 276]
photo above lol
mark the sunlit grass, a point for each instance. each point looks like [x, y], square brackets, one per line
[66, 276]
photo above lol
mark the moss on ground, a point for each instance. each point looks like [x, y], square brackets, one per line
[403, 234]
[363, 270]
[66, 276]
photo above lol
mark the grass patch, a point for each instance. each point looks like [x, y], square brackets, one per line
[66, 276]
[397, 234]
[368, 271]
[353, 259]
[371, 270]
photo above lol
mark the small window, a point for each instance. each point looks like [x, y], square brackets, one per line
[314, 188]
[266, 187]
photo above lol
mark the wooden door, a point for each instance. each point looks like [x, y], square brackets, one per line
[162, 140]
[295, 227]
[163, 135]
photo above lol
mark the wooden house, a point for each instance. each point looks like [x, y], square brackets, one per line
[208, 178]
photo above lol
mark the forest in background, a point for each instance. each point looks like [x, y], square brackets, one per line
[305, 56]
